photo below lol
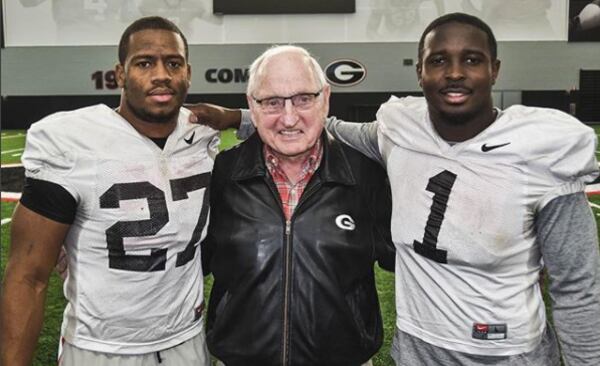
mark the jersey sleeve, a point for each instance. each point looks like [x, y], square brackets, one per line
[213, 147]
[49, 200]
[48, 157]
[400, 122]
[246, 127]
[564, 159]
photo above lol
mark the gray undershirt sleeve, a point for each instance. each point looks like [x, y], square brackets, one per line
[360, 136]
[568, 239]
[246, 127]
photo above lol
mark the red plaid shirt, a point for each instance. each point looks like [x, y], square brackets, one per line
[290, 193]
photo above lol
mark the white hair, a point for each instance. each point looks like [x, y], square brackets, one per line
[256, 71]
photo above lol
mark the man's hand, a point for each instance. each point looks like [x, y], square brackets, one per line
[214, 116]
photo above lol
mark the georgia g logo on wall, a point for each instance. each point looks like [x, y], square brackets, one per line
[345, 72]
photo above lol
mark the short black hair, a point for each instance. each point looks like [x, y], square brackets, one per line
[141, 24]
[461, 18]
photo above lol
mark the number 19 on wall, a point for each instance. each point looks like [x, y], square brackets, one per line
[104, 79]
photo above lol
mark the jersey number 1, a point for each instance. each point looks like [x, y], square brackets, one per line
[159, 217]
[441, 186]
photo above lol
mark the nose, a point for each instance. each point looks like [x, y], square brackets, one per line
[455, 71]
[161, 73]
[289, 117]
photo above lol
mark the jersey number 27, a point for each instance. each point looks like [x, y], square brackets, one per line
[159, 217]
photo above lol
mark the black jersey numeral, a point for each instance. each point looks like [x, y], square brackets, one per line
[159, 217]
[180, 189]
[441, 186]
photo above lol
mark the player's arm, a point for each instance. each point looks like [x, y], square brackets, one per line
[360, 136]
[35, 245]
[380, 205]
[215, 116]
[568, 239]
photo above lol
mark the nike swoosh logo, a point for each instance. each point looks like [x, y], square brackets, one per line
[486, 148]
[191, 139]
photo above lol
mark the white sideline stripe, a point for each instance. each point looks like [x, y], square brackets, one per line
[592, 189]
[12, 151]
[12, 136]
[15, 165]
[10, 196]
[594, 205]
[14, 155]
[5, 221]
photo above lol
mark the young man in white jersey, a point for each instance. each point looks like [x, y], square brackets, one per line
[483, 200]
[125, 190]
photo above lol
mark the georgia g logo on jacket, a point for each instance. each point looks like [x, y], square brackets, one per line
[345, 222]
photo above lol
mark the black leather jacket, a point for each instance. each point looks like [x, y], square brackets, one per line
[300, 292]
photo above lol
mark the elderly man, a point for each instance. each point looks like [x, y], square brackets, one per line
[297, 221]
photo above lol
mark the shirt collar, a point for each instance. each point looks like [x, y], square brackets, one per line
[309, 165]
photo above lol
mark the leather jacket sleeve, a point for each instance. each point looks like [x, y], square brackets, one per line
[381, 207]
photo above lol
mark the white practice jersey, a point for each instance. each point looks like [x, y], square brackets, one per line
[463, 221]
[135, 281]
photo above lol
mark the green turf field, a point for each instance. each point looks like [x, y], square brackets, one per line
[13, 141]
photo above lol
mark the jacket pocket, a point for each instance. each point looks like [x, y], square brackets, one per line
[363, 304]
[221, 306]
[217, 319]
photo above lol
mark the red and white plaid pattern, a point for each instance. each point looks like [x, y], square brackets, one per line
[290, 193]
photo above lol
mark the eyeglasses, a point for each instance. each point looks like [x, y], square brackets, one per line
[275, 105]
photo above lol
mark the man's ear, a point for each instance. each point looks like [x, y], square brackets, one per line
[252, 107]
[418, 69]
[189, 75]
[120, 75]
[495, 70]
[326, 93]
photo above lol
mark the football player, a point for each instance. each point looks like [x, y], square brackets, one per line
[483, 200]
[126, 191]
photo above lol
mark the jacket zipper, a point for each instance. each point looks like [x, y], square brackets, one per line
[287, 265]
[287, 273]
[286, 290]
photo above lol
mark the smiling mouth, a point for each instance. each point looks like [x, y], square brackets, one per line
[455, 95]
[290, 133]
